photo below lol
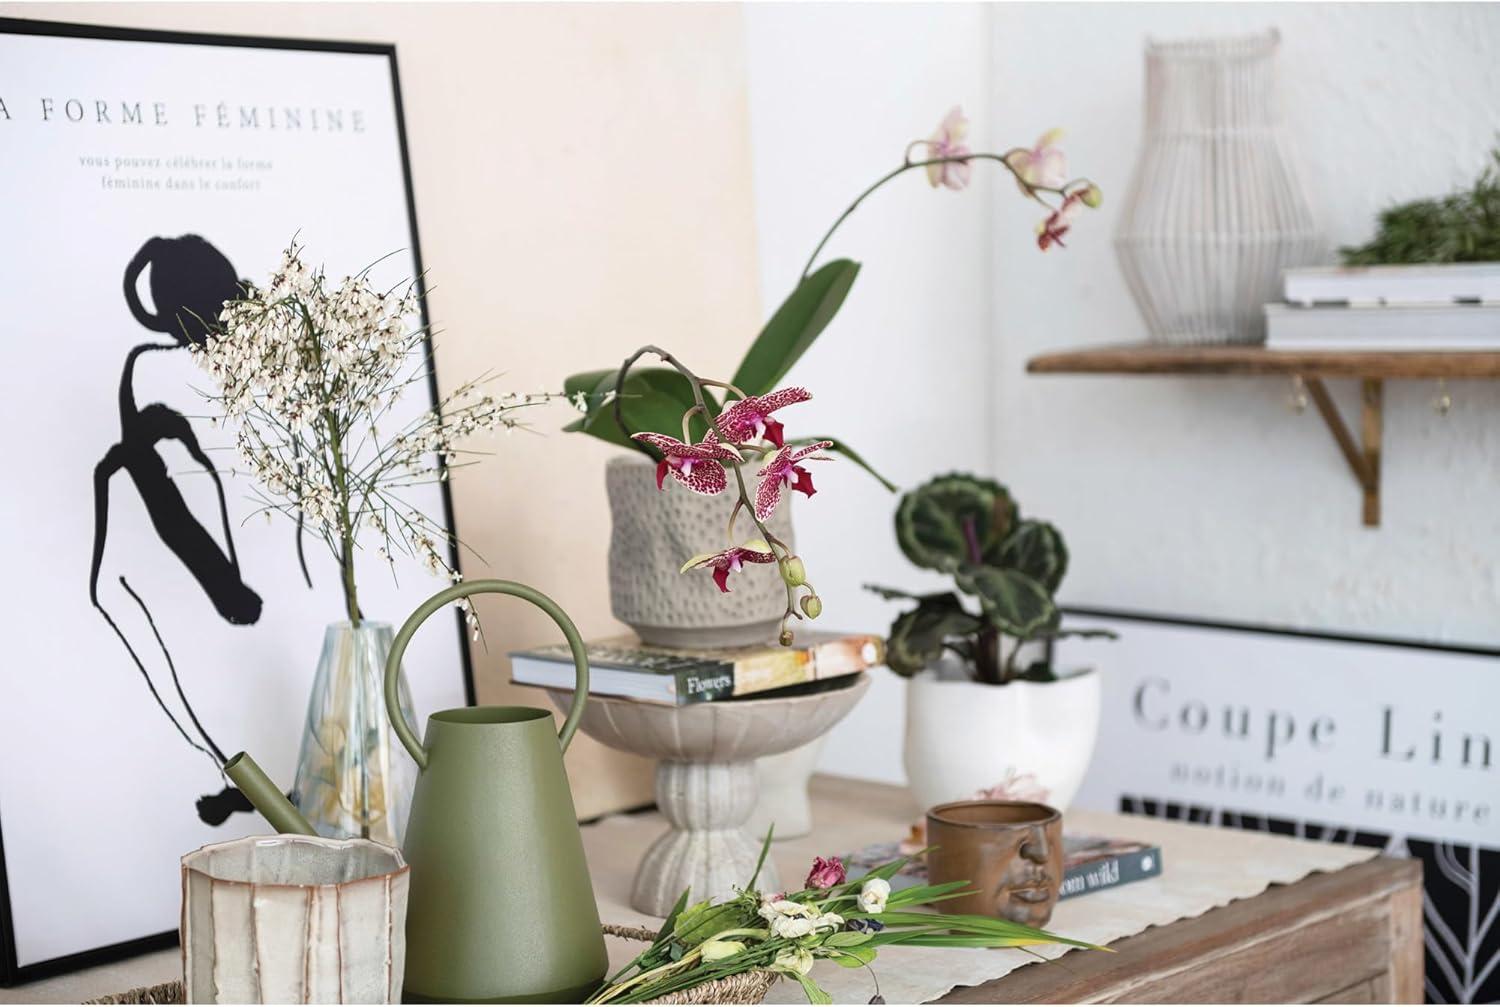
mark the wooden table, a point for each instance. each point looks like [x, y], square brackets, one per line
[1354, 936]
[1349, 936]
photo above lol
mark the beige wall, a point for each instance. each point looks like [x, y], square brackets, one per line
[582, 181]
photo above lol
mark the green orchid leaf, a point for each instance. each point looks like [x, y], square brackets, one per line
[802, 316]
[1036, 549]
[839, 447]
[954, 521]
[1012, 601]
[654, 400]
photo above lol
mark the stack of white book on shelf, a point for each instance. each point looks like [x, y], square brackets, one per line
[1397, 308]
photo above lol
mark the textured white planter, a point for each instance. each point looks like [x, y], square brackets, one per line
[294, 919]
[783, 798]
[963, 736]
[654, 532]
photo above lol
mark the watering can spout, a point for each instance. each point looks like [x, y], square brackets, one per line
[266, 796]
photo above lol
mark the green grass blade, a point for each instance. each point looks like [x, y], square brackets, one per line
[765, 848]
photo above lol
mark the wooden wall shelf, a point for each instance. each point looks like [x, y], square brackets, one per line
[1152, 359]
[1312, 366]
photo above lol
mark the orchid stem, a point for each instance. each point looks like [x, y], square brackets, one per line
[908, 165]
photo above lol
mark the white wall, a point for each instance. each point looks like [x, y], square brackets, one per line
[836, 93]
[1186, 496]
[1210, 497]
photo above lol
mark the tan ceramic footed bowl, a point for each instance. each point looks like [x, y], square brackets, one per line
[706, 782]
[294, 919]
[1010, 852]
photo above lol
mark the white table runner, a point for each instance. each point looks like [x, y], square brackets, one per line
[1203, 868]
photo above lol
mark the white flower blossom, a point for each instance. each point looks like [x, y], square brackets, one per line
[795, 919]
[795, 960]
[873, 895]
[304, 369]
[717, 950]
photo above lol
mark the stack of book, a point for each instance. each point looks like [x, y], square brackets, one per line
[1398, 308]
[625, 667]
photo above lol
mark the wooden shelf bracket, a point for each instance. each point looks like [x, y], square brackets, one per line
[1364, 457]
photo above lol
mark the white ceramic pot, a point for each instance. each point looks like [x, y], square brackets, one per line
[963, 736]
[294, 919]
[783, 798]
[654, 532]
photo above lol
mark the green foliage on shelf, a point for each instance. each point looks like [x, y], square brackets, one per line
[1462, 227]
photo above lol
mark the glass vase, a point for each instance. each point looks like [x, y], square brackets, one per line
[354, 779]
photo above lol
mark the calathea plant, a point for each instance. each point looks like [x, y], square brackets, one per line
[971, 528]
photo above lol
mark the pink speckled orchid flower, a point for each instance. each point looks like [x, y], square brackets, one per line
[731, 560]
[783, 471]
[696, 466]
[1044, 166]
[1050, 231]
[948, 141]
[749, 419]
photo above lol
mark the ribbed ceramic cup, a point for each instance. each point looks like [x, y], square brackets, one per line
[294, 919]
[1010, 853]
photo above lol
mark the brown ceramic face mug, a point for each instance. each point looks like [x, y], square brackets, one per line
[1010, 852]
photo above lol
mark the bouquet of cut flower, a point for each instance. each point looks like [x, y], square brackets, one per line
[832, 917]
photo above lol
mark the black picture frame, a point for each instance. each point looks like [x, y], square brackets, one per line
[12, 973]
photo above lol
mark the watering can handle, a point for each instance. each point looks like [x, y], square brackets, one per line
[463, 590]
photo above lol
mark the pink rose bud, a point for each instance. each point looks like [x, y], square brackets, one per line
[825, 873]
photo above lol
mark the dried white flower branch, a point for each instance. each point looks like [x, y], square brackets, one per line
[306, 371]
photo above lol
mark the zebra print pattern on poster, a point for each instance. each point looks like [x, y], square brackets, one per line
[1460, 905]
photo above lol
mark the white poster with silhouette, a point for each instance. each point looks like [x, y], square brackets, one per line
[150, 626]
[1388, 744]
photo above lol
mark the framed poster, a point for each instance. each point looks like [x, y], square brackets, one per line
[150, 625]
[1383, 743]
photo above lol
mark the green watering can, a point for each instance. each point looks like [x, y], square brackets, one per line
[501, 907]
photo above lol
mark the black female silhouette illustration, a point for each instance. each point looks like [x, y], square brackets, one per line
[189, 280]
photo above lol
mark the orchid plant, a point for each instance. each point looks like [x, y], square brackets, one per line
[832, 918]
[744, 431]
[653, 399]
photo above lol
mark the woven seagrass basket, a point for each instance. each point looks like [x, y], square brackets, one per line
[746, 988]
